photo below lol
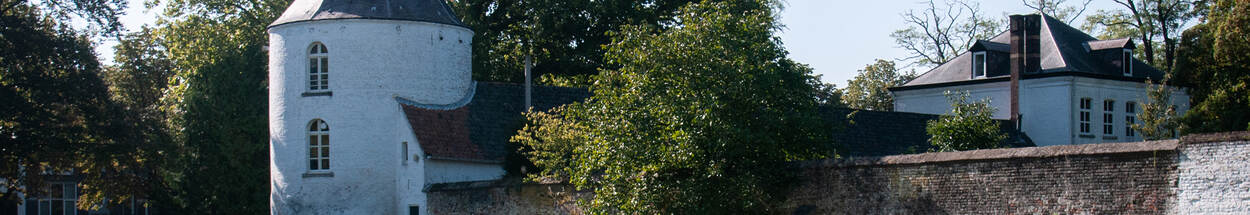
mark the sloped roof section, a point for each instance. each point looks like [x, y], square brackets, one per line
[1063, 50]
[880, 133]
[478, 130]
[434, 11]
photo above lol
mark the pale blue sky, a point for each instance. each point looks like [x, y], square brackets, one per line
[835, 37]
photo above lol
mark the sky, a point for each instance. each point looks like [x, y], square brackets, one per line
[835, 37]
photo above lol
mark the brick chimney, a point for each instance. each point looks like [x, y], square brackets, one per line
[1025, 57]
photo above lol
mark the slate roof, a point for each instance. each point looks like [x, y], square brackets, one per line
[434, 11]
[880, 133]
[1063, 50]
[478, 129]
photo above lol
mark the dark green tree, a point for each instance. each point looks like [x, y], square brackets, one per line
[1213, 64]
[565, 38]
[56, 116]
[968, 126]
[697, 119]
[217, 104]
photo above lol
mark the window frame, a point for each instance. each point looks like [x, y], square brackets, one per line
[318, 151]
[1130, 118]
[1084, 118]
[318, 68]
[984, 69]
[1126, 62]
[36, 204]
[1108, 117]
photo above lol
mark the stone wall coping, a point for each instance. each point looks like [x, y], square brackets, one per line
[1216, 137]
[473, 185]
[994, 154]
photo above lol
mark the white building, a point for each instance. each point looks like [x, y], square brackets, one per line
[1061, 85]
[371, 101]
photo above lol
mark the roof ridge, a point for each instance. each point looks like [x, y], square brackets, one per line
[468, 96]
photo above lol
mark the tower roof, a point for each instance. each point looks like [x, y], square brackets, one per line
[434, 11]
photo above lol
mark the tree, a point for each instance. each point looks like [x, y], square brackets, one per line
[696, 119]
[941, 32]
[57, 116]
[217, 104]
[1056, 8]
[101, 15]
[565, 38]
[870, 89]
[1159, 119]
[1148, 21]
[827, 94]
[1212, 61]
[968, 126]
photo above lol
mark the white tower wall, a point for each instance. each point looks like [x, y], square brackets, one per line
[370, 62]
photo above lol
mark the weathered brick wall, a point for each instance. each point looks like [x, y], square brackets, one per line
[1197, 174]
[503, 197]
[1129, 178]
[1214, 175]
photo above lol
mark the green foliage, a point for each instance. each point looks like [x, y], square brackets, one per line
[1158, 116]
[56, 115]
[1213, 62]
[698, 119]
[941, 32]
[100, 15]
[216, 103]
[967, 127]
[1154, 24]
[828, 94]
[870, 89]
[566, 38]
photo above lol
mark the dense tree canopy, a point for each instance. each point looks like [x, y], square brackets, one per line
[56, 116]
[217, 104]
[564, 37]
[1213, 64]
[696, 120]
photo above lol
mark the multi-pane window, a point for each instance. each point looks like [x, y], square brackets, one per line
[58, 198]
[1127, 62]
[1108, 117]
[978, 64]
[1130, 118]
[318, 67]
[1084, 115]
[318, 145]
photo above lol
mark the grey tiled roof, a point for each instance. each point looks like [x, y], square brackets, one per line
[1063, 50]
[480, 130]
[434, 11]
[879, 133]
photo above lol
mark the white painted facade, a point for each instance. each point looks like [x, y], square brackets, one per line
[370, 63]
[1049, 107]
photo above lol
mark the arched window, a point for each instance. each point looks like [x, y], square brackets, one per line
[318, 145]
[318, 67]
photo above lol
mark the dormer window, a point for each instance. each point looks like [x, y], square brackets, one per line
[1126, 62]
[978, 64]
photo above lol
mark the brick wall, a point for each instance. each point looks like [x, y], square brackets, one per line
[1214, 175]
[507, 196]
[1197, 174]
[1121, 177]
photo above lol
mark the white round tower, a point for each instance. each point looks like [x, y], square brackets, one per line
[335, 68]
